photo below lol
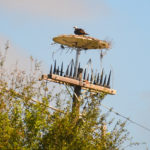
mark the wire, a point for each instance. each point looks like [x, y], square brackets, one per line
[128, 119]
[118, 114]
[34, 100]
[108, 108]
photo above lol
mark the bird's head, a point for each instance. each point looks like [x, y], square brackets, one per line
[75, 27]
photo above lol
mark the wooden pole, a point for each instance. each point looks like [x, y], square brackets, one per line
[76, 97]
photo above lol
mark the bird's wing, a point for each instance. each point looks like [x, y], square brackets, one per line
[82, 31]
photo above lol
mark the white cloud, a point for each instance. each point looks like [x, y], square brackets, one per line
[61, 9]
[18, 57]
[14, 55]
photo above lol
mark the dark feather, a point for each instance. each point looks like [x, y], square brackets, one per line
[79, 31]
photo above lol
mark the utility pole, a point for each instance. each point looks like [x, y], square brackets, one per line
[76, 96]
[100, 84]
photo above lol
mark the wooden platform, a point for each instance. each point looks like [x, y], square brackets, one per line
[73, 82]
[82, 42]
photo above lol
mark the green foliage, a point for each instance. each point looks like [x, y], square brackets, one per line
[27, 121]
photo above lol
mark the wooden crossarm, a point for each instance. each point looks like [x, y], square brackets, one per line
[74, 82]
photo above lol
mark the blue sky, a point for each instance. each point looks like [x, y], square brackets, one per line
[30, 26]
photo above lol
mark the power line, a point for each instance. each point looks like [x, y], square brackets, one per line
[34, 100]
[128, 119]
[118, 114]
[108, 108]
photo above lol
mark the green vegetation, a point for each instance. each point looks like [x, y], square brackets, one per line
[29, 125]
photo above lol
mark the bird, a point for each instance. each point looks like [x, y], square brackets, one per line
[79, 31]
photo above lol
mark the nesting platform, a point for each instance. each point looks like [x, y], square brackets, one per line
[84, 84]
[81, 42]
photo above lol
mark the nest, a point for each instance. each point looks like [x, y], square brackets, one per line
[81, 42]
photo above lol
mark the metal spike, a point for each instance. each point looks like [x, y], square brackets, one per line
[78, 71]
[84, 74]
[72, 61]
[88, 77]
[62, 46]
[54, 68]
[74, 74]
[67, 71]
[61, 72]
[79, 66]
[91, 80]
[71, 71]
[104, 84]
[51, 70]
[57, 72]
[73, 68]
[108, 82]
[97, 81]
[101, 79]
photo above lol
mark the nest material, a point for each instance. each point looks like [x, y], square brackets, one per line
[81, 41]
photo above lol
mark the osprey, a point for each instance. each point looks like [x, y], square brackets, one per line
[79, 31]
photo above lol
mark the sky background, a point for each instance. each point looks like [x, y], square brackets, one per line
[30, 25]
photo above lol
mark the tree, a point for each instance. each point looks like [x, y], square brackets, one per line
[28, 120]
